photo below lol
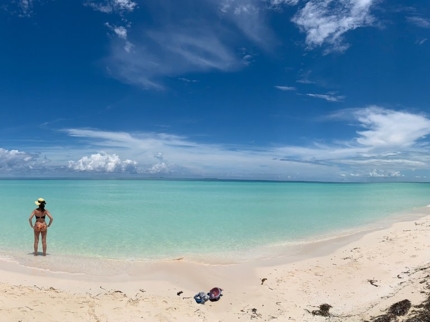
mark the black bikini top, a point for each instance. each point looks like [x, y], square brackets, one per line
[43, 217]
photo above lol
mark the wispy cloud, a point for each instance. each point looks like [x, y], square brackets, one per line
[169, 53]
[419, 21]
[387, 143]
[326, 21]
[386, 128]
[327, 97]
[422, 41]
[181, 42]
[286, 88]
[109, 6]
[304, 77]
[120, 31]
[249, 17]
[20, 8]
[283, 2]
[385, 140]
[26, 6]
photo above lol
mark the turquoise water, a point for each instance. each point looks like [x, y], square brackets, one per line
[131, 220]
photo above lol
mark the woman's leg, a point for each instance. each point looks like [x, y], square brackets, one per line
[44, 233]
[36, 241]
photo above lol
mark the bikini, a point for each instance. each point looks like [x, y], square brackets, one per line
[43, 217]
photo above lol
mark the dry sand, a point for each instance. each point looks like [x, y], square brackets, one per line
[359, 276]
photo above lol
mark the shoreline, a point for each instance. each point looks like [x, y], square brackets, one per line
[286, 287]
[286, 252]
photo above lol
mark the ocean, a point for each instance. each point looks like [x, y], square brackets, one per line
[126, 221]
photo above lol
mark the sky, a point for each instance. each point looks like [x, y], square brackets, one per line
[300, 90]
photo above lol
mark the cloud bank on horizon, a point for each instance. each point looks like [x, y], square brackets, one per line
[234, 89]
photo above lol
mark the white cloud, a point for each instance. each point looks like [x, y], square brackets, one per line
[392, 142]
[18, 160]
[327, 97]
[249, 17]
[422, 41]
[387, 128]
[286, 88]
[109, 6]
[26, 6]
[419, 22]
[21, 8]
[120, 31]
[384, 174]
[179, 43]
[103, 162]
[326, 21]
[159, 168]
[170, 53]
[286, 2]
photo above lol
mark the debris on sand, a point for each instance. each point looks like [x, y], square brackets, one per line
[423, 312]
[373, 282]
[323, 310]
[400, 308]
[420, 313]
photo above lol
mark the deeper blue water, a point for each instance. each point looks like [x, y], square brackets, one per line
[129, 220]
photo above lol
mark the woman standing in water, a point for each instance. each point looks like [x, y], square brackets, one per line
[40, 227]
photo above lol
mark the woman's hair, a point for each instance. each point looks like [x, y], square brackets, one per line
[42, 205]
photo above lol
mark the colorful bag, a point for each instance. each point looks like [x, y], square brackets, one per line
[215, 294]
[201, 297]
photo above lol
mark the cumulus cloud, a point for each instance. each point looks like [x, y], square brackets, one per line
[103, 163]
[159, 168]
[384, 174]
[326, 21]
[18, 160]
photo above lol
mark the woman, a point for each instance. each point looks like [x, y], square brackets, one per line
[40, 227]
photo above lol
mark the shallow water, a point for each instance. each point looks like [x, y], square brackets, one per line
[123, 221]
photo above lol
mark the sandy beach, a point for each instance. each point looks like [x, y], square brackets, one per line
[359, 276]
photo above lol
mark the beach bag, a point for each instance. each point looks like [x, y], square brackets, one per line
[215, 294]
[201, 297]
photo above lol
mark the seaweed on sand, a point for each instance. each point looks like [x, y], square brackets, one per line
[323, 310]
[400, 308]
[423, 312]
[397, 309]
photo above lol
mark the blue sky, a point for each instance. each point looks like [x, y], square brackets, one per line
[324, 90]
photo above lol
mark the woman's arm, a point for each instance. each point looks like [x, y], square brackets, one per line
[31, 217]
[50, 218]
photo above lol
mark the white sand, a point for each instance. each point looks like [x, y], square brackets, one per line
[396, 260]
